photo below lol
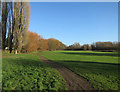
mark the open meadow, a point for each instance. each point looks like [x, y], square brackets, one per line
[28, 72]
[99, 68]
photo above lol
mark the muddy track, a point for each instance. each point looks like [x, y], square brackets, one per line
[74, 82]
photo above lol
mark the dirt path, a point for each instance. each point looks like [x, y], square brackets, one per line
[74, 82]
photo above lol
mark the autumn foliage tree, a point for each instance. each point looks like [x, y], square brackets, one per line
[53, 44]
[34, 42]
[31, 42]
[43, 44]
[61, 46]
[108, 46]
[85, 46]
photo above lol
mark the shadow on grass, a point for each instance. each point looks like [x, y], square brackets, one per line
[86, 67]
[92, 54]
[93, 62]
[28, 62]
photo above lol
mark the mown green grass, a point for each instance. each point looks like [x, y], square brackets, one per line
[100, 68]
[27, 72]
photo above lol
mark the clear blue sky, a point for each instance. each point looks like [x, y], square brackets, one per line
[75, 22]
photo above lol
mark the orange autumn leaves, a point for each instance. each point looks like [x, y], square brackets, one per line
[35, 42]
[31, 41]
[53, 44]
[43, 45]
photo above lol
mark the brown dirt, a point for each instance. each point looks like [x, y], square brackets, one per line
[74, 81]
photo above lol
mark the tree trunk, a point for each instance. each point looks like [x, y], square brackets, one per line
[16, 52]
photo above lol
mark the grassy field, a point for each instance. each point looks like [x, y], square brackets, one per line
[27, 72]
[100, 68]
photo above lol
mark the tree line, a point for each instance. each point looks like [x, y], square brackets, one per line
[101, 46]
[35, 42]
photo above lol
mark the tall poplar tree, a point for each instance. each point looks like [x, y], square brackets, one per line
[15, 21]
[5, 11]
[22, 15]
